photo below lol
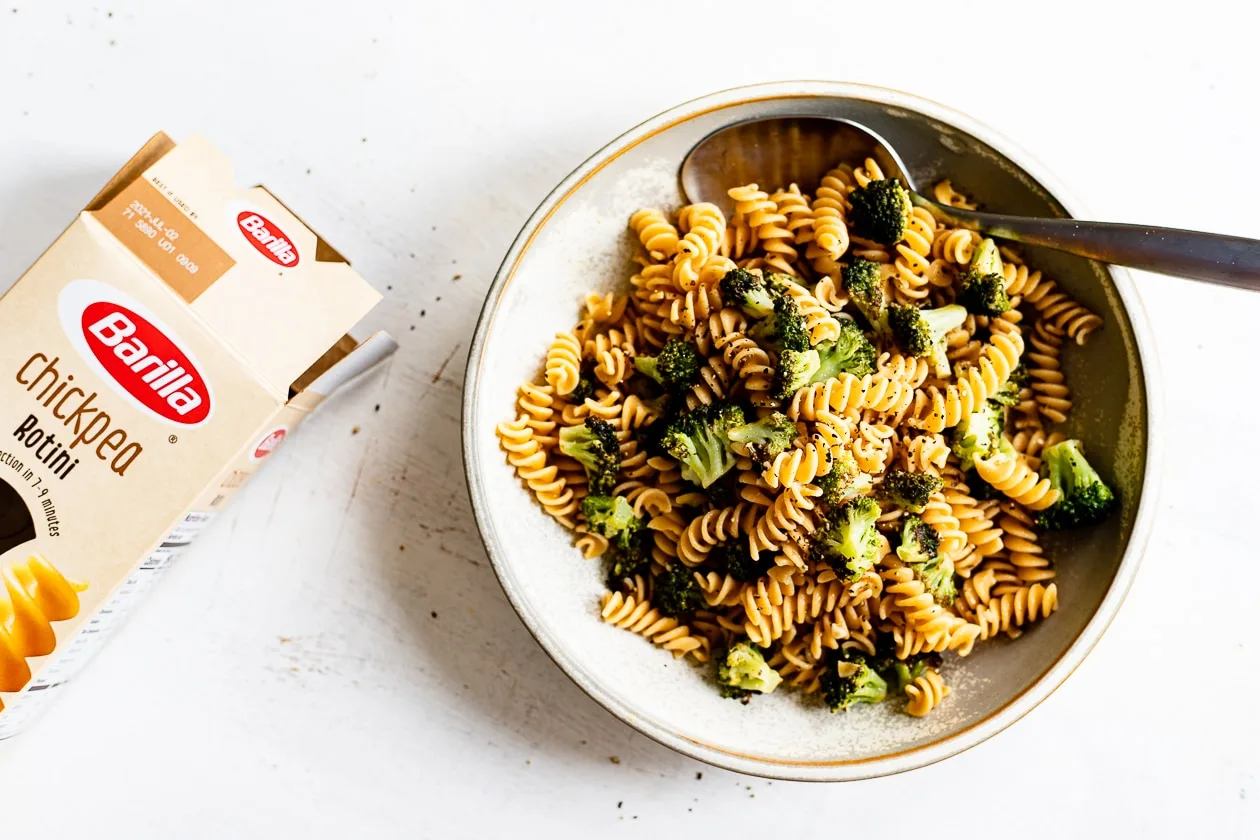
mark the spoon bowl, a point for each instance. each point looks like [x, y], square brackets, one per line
[778, 151]
[781, 151]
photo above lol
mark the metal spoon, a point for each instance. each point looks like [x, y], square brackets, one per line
[800, 150]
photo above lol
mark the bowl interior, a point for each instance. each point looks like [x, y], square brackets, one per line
[579, 242]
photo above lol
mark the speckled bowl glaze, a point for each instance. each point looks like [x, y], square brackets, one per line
[578, 240]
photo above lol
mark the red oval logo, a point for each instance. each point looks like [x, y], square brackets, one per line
[145, 363]
[267, 238]
[268, 444]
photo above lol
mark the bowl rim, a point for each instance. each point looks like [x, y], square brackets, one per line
[948, 745]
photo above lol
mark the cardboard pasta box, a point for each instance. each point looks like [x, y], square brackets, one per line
[176, 333]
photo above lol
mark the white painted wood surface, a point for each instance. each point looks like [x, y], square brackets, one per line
[335, 657]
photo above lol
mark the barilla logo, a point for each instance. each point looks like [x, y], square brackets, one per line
[269, 443]
[267, 238]
[134, 352]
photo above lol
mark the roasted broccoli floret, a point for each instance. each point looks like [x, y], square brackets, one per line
[983, 289]
[979, 433]
[795, 370]
[848, 537]
[921, 332]
[1084, 498]
[744, 669]
[611, 516]
[778, 282]
[784, 328]
[586, 384]
[984, 294]
[675, 591]
[746, 290]
[920, 550]
[860, 684]
[938, 578]
[862, 280]
[698, 440]
[1008, 394]
[919, 542]
[628, 551]
[911, 490]
[594, 445]
[630, 560]
[676, 367]
[765, 438]
[880, 211]
[843, 481]
[851, 352]
[733, 558]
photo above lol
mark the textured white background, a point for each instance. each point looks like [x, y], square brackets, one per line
[336, 657]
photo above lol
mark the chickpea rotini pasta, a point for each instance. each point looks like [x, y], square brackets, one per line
[814, 442]
[564, 361]
[658, 235]
[925, 693]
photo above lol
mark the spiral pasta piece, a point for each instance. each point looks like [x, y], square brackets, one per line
[910, 282]
[944, 193]
[745, 357]
[720, 590]
[795, 208]
[821, 324]
[848, 394]
[831, 294]
[714, 383]
[629, 613]
[925, 693]
[937, 409]
[1012, 475]
[789, 514]
[695, 306]
[1053, 304]
[800, 464]
[1048, 384]
[982, 536]
[955, 246]
[776, 241]
[658, 236]
[708, 529]
[1010, 608]
[1024, 552]
[706, 229]
[538, 404]
[530, 460]
[940, 515]
[564, 361]
[918, 606]
[925, 453]
[607, 308]
[591, 544]
[830, 235]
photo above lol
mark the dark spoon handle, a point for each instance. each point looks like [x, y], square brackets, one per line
[1208, 257]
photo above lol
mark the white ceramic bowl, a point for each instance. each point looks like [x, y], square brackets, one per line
[578, 240]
